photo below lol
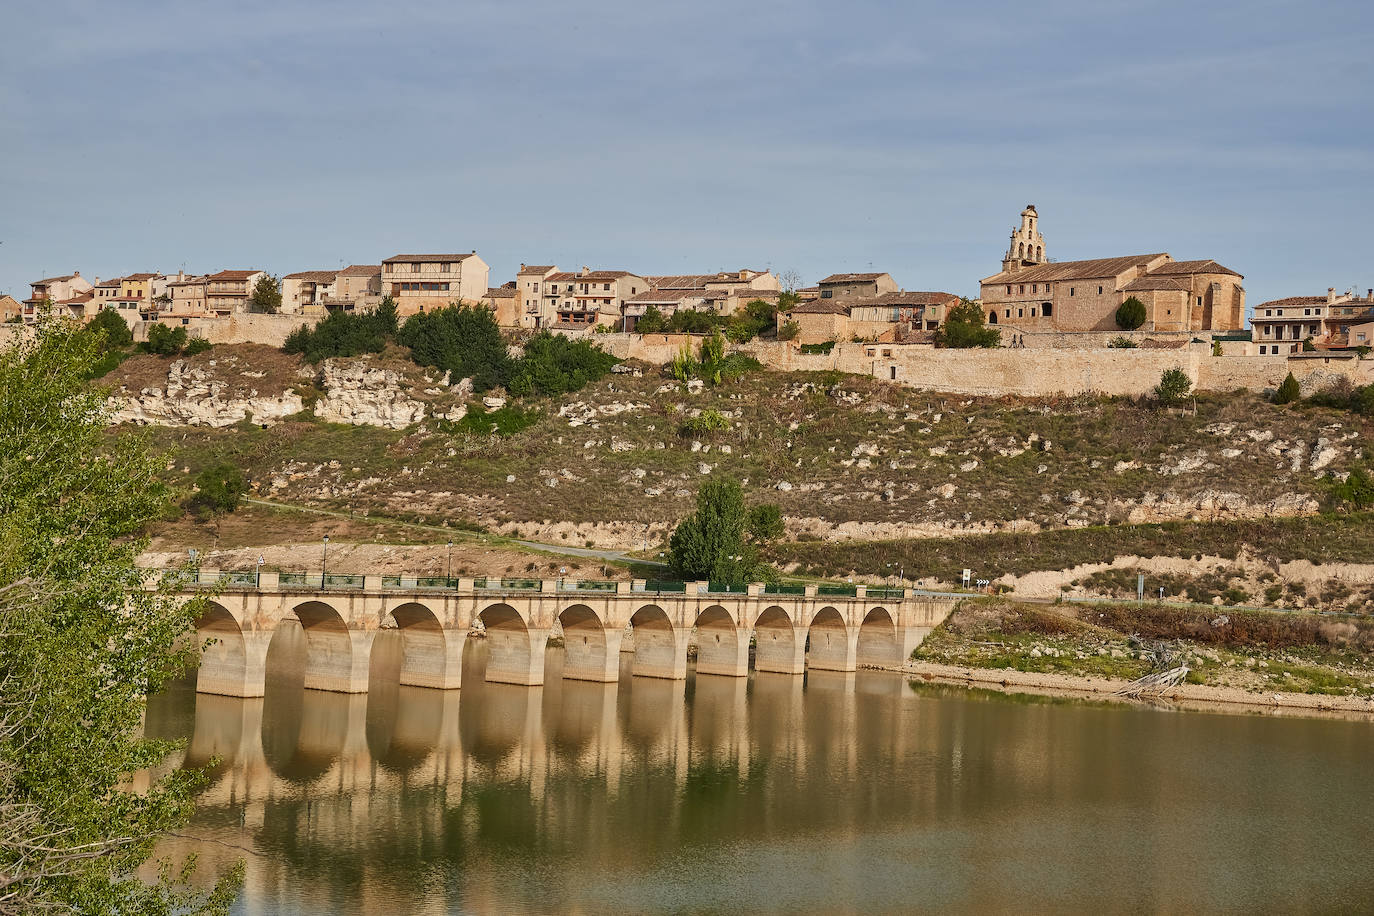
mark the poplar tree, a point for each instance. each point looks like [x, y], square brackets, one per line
[82, 645]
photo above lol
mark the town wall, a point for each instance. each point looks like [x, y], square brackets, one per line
[242, 327]
[1031, 338]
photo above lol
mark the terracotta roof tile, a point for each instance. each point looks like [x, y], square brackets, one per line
[233, 275]
[428, 257]
[361, 270]
[1096, 269]
[1193, 267]
[314, 276]
[536, 269]
[142, 276]
[500, 292]
[819, 307]
[1150, 281]
[851, 278]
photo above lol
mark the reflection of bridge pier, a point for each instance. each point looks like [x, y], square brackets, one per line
[793, 629]
[656, 723]
[720, 720]
[583, 726]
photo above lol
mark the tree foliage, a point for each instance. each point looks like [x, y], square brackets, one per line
[1289, 390]
[765, 523]
[553, 365]
[219, 489]
[266, 296]
[461, 339]
[173, 341]
[963, 328]
[345, 334]
[1173, 386]
[1130, 314]
[710, 543]
[116, 330]
[82, 643]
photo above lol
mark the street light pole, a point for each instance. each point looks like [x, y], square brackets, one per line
[324, 562]
[448, 567]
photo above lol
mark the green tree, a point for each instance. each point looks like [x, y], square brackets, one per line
[112, 325]
[1130, 314]
[651, 322]
[1173, 386]
[461, 339]
[554, 364]
[1289, 391]
[963, 328]
[82, 644]
[266, 296]
[1308, 346]
[165, 341]
[709, 544]
[789, 330]
[345, 334]
[219, 490]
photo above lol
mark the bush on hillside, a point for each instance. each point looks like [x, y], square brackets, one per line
[554, 365]
[172, 341]
[1173, 386]
[345, 334]
[789, 330]
[1289, 391]
[651, 322]
[218, 490]
[112, 325]
[1131, 314]
[462, 340]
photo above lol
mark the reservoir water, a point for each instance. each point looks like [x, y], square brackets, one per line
[840, 793]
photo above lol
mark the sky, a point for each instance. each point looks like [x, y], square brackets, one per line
[814, 137]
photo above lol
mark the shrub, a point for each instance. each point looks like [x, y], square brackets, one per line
[506, 421]
[756, 318]
[1308, 346]
[789, 330]
[345, 334]
[462, 340]
[1173, 386]
[1122, 343]
[266, 296]
[963, 328]
[651, 322]
[1356, 491]
[765, 523]
[219, 490]
[708, 421]
[1289, 391]
[554, 365]
[817, 349]
[1131, 314]
[196, 345]
[112, 325]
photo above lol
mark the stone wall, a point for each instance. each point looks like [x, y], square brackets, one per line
[1032, 339]
[270, 330]
[1260, 373]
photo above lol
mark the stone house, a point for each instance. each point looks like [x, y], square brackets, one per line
[504, 302]
[358, 286]
[579, 299]
[10, 309]
[920, 310]
[530, 295]
[228, 291]
[422, 282]
[68, 294]
[304, 292]
[188, 298]
[1034, 293]
[818, 321]
[1280, 326]
[856, 286]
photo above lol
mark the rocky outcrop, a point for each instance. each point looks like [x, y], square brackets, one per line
[363, 395]
[196, 397]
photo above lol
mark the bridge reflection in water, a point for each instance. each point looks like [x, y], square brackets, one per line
[833, 791]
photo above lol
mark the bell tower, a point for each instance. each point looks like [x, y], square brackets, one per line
[1027, 244]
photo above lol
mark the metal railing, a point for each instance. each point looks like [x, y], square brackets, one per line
[841, 591]
[727, 588]
[775, 589]
[586, 585]
[877, 592]
[664, 585]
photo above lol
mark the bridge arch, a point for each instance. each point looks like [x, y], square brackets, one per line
[831, 644]
[224, 659]
[431, 656]
[878, 643]
[721, 648]
[336, 658]
[777, 646]
[591, 650]
[515, 650]
[660, 649]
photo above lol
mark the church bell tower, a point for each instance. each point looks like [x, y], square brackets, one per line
[1027, 244]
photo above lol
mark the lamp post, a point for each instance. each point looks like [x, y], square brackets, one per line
[448, 565]
[259, 577]
[324, 562]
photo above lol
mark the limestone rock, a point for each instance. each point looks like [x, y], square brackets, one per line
[361, 394]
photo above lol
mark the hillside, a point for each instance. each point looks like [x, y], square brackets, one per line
[845, 457]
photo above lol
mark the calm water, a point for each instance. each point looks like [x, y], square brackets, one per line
[838, 793]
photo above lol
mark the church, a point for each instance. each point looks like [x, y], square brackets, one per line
[1034, 293]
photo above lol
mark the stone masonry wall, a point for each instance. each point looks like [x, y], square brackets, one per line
[271, 330]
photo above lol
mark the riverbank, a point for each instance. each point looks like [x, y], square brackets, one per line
[1199, 696]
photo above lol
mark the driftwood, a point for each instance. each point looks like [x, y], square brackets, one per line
[1155, 683]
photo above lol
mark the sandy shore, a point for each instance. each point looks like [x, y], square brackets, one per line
[1200, 696]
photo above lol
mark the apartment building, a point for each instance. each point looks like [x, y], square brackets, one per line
[856, 286]
[422, 282]
[530, 288]
[357, 287]
[550, 298]
[1280, 326]
[187, 299]
[228, 291]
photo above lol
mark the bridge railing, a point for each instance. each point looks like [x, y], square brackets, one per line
[587, 585]
[838, 591]
[876, 592]
[664, 586]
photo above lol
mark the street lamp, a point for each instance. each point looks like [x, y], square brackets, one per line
[324, 562]
[448, 567]
[259, 579]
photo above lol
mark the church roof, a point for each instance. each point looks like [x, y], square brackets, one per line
[1194, 267]
[1150, 281]
[1099, 268]
[819, 307]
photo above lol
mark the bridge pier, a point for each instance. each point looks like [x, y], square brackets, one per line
[234, 665]
[516, 655]
[780, 649]
[889, 646]
[592, 653]
[833, 648]
[432, 658]
[722, 647]
[337, 660]
[660, 648]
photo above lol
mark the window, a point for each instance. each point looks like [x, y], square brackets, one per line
[827, 294]
[446, 268]
[1307, 311]
[1008, 289]
[1199, 300]
[1021, 288]
[605, 287]
[1070, 290]
[1099, 290]
[1008, 315]
[1033, 287]
[1032, 311]
[1020, 313]
[1319, 311]
[1046, 309]
[414, 267]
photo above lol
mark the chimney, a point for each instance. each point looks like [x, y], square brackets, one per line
[522, 265]
[1370, 294]
[586, 270]
[76, 273]
[1330, 295]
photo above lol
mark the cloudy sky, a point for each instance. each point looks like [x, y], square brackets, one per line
[687, 137]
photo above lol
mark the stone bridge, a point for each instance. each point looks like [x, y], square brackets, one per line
[791, 628]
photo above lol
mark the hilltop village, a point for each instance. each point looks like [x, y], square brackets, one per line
[1033, 301]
